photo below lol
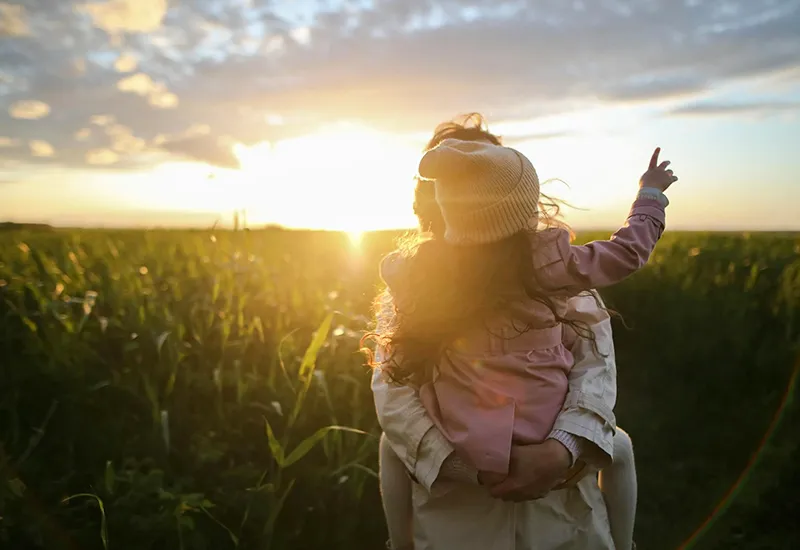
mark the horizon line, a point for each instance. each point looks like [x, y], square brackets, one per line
[278, 227]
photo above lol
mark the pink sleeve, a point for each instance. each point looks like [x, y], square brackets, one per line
[604, 263]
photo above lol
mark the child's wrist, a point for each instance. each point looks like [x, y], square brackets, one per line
[653, 193]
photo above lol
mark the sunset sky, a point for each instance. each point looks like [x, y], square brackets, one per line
[313, 114]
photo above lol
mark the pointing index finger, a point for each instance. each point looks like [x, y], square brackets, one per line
[654, 159]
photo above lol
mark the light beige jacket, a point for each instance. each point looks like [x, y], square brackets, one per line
[459, 516]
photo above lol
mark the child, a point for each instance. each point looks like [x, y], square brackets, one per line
[487, 308]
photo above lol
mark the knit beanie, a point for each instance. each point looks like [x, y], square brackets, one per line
[486, 192]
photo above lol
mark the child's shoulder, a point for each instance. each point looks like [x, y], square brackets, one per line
[548, 246]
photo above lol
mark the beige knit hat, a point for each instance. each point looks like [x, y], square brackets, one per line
[486, 192]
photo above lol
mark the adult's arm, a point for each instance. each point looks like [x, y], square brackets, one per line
[587, 414]
[409, 429]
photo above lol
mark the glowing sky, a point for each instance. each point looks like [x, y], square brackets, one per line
[313, 114]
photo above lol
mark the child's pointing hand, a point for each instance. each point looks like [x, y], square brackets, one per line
[657, 175]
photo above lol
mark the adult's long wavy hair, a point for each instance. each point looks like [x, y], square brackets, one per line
[444, 290]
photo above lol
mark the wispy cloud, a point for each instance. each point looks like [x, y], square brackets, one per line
[208, 149]
[711, 108]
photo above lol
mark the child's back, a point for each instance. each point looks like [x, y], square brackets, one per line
[505, 379]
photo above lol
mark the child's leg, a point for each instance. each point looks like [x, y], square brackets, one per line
[396, 496]
[618, 483]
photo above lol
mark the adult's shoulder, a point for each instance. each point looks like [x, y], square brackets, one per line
[587, 306]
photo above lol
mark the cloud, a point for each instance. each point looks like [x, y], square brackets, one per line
[40, 148]
[83, 134]
[301, 35]
[514, 140]
[718, 108]
[139, 83]
[29, 109]
[654, 86]
[123, 140]
[116, 16]
[204, 149]
[12, 20]
[155, 92]
[101, 157]
[233, 67]
[126, 63]
[101, 120]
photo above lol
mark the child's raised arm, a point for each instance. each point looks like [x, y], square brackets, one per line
[604, 263]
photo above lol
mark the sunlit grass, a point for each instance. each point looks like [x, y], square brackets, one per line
[206, 387]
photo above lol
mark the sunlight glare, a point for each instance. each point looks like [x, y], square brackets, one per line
[344, 177]
[172, 186]
[355, 238]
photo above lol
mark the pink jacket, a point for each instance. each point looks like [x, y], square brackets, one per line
[497, 387]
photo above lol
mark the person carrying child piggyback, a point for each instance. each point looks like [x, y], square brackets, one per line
[479, 320]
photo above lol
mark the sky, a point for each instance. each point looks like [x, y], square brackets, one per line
[313, 114]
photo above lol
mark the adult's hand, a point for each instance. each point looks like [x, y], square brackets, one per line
[534, 470]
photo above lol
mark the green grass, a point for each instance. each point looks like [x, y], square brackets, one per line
[197, 390]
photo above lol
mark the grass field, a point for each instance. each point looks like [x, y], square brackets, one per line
[203, 390]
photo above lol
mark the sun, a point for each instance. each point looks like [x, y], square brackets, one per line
[355, 238]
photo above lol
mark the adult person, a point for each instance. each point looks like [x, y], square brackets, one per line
[450, 508]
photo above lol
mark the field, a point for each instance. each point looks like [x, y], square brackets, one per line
[204, 390]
